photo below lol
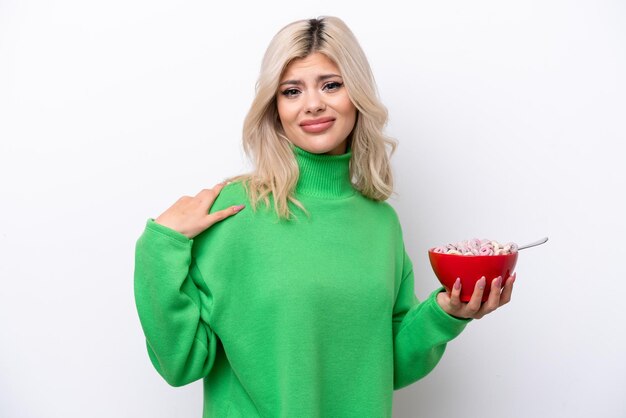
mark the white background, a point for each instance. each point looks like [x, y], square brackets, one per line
[510, 117]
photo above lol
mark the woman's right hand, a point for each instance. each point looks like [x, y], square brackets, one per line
[190, 215]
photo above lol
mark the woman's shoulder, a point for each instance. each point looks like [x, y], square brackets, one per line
[382, 209]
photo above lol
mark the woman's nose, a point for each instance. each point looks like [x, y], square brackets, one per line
[314, 103]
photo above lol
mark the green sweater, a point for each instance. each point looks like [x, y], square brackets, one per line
[314, 317]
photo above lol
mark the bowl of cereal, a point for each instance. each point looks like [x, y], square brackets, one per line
[469, 261]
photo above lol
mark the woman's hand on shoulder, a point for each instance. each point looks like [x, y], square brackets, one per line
[474, 309]
[190, 215]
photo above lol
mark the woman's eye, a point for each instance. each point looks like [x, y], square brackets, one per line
[333, 85]
[290, 92]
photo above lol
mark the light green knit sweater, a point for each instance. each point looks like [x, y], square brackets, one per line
[314, 317]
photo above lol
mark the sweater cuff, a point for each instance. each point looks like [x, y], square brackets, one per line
[152, 225]
[453, 322]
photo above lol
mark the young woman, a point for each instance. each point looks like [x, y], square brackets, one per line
[301, 305]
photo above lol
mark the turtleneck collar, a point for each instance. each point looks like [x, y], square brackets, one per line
[323, 176]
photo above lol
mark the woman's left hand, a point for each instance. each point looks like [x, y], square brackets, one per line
[451, 303]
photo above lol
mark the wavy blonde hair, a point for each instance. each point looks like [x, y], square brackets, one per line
[276, 170]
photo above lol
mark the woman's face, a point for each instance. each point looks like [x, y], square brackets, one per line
[314, 108]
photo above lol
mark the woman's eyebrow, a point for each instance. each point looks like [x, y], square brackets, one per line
[320, 78]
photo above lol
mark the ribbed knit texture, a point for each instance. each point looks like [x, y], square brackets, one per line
[324, 176]
[313, 317]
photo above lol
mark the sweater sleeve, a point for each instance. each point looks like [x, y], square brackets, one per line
[421, 331]
[173, 303]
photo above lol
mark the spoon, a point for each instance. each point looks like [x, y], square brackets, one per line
[533, 244]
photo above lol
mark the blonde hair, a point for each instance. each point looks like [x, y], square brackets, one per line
[275, 167]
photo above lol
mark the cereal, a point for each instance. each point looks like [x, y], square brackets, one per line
[477, 246]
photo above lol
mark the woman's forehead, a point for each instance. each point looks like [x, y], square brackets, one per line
[315, 63]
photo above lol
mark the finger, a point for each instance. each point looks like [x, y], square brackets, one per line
[474, 304]
[443, 299]
[181, 200]
[493, 301]
[212, 193]
[206, 198]
[220, 185]
[220, 215]
[508, 290]
[455, 294]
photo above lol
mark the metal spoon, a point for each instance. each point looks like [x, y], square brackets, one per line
[533, 244]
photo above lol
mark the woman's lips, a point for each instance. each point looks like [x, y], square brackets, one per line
[315, 128]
